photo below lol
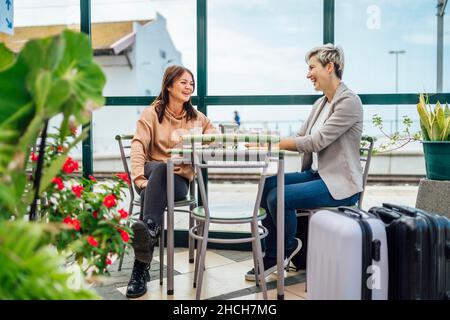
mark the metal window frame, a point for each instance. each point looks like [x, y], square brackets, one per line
[203, 100]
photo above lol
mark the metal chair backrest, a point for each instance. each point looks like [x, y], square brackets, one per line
[365, 152]
[228, 127]
[229, 157]
[124, 142]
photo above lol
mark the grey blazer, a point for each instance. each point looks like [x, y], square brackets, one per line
[337, 143]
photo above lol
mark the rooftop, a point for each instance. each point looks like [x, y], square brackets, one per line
[105, 36]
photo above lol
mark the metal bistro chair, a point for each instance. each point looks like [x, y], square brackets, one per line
[228, 127]
[224, 157]
[124, 142]
[365, 157]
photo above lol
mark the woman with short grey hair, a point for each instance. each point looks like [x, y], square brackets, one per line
[326, 54]
[329, 140]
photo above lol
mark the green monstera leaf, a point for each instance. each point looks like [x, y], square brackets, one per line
[50, 76]
[7, 57]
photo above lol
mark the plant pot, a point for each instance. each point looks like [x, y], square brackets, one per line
[437, 159]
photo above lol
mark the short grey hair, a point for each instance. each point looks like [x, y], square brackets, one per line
[326, 54]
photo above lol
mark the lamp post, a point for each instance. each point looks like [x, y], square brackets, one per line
[396, 52]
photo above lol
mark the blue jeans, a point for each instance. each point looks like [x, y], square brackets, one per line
[304, 190]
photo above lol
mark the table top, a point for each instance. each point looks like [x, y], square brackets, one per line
[231, 138]
[229, 154]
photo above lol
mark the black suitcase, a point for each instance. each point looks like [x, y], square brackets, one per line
[419, 253]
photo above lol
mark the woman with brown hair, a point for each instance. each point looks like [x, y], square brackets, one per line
[158, 130]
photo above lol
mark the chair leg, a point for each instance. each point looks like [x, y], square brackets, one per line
[255, 259]
[197, 258]
[306, 266]
[191, 240]
[259, 272]
[121, 258]
[161, 253]
[201, 263]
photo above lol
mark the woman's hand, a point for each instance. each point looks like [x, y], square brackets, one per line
[288, 144]
[285, 144]
[251, 145]
[261, 146]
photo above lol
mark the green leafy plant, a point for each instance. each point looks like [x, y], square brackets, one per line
[96, 227]
[396, 140]
[30, 269]
[50, 76]
[434, 122]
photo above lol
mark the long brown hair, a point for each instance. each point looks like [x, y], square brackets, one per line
[171, 74]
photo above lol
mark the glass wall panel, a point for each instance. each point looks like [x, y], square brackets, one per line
[390, 125]
[258, 47]
[135, 41]
[287, 120]
[390, 46]
[110, 121]
[38, 19]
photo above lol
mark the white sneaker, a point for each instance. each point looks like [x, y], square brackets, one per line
[292, 253]
[270, 264]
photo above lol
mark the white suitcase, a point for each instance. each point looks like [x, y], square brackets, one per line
[347, 256]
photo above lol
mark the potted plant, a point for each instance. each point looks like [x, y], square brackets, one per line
[434, 135]
[435, 125]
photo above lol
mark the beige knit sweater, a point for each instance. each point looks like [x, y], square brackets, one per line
[152, 140]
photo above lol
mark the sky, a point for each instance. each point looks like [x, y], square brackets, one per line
[257, 47]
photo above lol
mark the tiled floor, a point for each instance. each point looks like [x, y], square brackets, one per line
[224, 275]
[223, 279]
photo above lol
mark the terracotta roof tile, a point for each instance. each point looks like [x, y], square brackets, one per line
[104, 34]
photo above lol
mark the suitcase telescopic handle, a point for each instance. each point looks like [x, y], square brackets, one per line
[402, 209]
[350, 210]
[385, 213]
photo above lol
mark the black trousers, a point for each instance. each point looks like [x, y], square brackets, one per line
[154, 196]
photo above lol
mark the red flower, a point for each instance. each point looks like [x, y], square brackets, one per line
[73, 130]
[67, 220]
[77, 190]
[59, 183]
[123, 213]
[92, 178]
[124, 177]
[70, 166]
[110, 201]
[108, 261]
[34, 157]
[91, 240]
[125, 236]
[76, 224]
[95, 214]
[60, 149]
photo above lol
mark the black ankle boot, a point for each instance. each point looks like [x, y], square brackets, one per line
[153, 228]
[137, 286]
[154, 231]
[146, 236]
